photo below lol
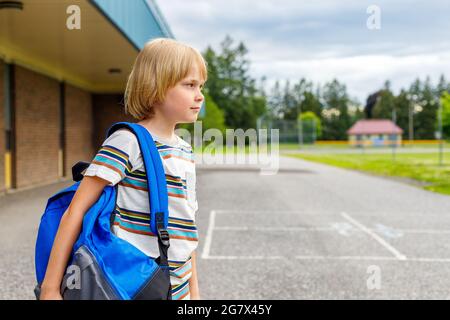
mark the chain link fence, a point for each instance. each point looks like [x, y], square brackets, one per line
[291, 131]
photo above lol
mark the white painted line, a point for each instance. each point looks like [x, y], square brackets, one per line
[209, 234]
[334, 228]
[245, 257]
[425, 231]
[274, 228]
[344, 258]
[275, 211]
[380, 258]
[394, 251]
[429, 259]
[327, 213]
[341, 258]
[361, 227]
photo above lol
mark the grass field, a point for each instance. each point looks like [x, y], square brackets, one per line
[292, 147]
[422, 168]
[416, 164]
[344, 146]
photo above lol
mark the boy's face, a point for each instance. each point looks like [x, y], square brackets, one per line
[183, 102]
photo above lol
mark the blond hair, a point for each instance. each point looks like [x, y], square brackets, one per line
[159, 66]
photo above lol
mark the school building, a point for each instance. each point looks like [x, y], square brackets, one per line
[374, 132]
[63, 71]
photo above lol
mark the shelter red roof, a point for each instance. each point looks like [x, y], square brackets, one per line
[374, 126]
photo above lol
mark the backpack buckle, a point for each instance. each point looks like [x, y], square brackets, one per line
[163, 236]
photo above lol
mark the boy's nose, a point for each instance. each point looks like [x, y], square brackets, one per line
[199, 97]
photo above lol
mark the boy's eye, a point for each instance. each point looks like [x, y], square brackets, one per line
[193, 85]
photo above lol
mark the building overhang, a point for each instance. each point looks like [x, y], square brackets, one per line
[97, 57]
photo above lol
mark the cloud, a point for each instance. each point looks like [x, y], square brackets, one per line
[325, 39]
[362, 74]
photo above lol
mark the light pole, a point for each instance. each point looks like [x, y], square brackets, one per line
[299, 121]
[394, 142]
[314, 132]
[410, 116]
[440, 137]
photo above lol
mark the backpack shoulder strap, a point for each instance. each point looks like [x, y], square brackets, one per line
[156, 178]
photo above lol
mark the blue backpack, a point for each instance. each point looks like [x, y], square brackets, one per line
[103, 266]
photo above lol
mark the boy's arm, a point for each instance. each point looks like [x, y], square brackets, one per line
[193, 281]
[69, 229]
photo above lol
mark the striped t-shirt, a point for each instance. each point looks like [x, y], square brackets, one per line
[119, 161]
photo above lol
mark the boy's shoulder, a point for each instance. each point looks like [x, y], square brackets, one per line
[122, 135]
[125, 136]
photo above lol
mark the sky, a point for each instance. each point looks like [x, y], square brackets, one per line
[324, 39]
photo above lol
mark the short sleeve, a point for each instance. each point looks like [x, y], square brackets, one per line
[117, 156]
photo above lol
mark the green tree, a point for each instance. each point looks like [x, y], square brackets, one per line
[385, 104]
[401, 105]
[290, 105]
[336, 119]
[424, 109]
[445, 102]
[231, 87]
[275, 102]
[311, 103]
[443, 86]
[213, 117]
[303, 93]
[312, 126]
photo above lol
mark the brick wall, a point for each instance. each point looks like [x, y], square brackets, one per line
[37, 118]
[79, 126]
[108, 108]
[2, 129]
[87, 118]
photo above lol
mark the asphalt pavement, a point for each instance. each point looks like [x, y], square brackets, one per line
[311, 231]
